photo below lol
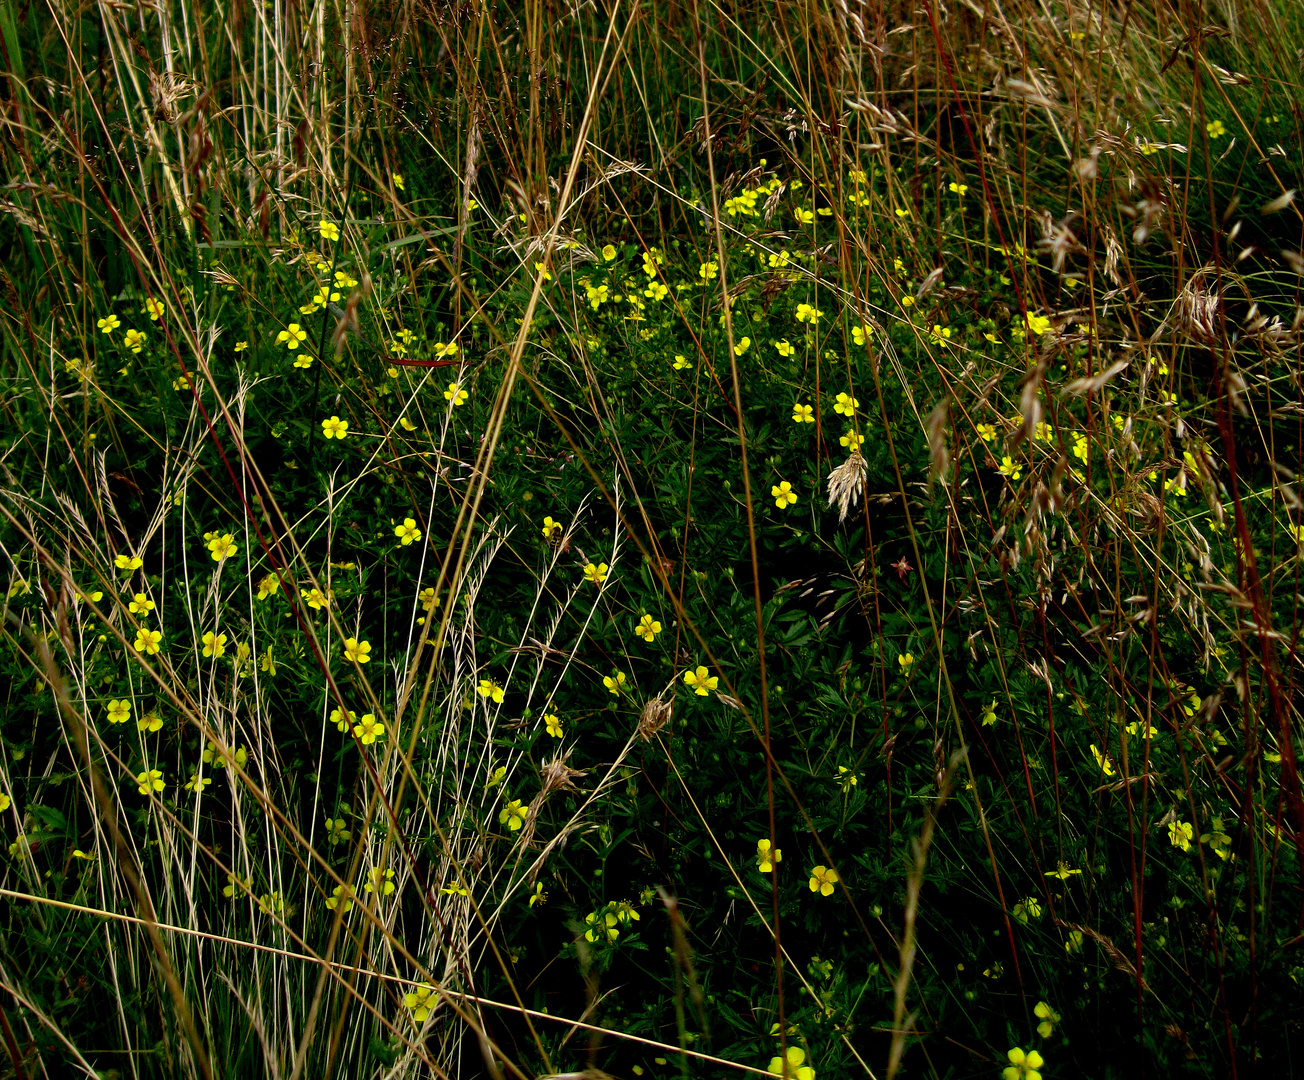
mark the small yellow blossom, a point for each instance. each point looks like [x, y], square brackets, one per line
[407, 532]
[147, 641]
[783, 494]
[292, 336]
[513, 815]
[701, 680]
[335, 428]
[596, 573]
[822, 880]
[150, 780]
[803, 414]
[357, 650]
[765, 858]
[491, 690]
[647, 628]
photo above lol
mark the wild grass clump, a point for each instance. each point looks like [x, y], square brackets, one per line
[629, 540]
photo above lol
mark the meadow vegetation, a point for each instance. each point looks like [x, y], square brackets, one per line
[646, 538]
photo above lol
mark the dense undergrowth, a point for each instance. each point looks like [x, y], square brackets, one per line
[651, 539]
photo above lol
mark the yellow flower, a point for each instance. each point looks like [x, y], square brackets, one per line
[1023, 1066]
[368, 729]
[381, 880]
[804, 216]
[808, 313]
[596, 574]
[119, 711]
[1038, 324]
[398, 180]
[790, 1065]
[701, 680]
[940, 334]
[783, 494]
[140, 604]
[128, 562]
[765, 858]
[108, 324]
[803, 414]
[1043, 432]
[357, 650]
[846, 779]
[1010, 468]
[615, 682]
[906, 661]
[742, 345]
[1048, 1017]
[342, 720]
[147, 641]
[150, 722]
[198, 782]
[987, 432]
[1215, 129]
[851, 440]
[681, 363]
[150, 780]
[421, 1001]
[328, 229]
[455, 394]
[785, 349]
[315, 599]
[647, 628]
[222, 547]
[1180, 834]
[214, 644]
[822, 880]
[959, 189]
[303, 361]
[552, 724]
[513, 815]
[135, 340]
[1062, 871]
[860, 334]
[989, 714]
[538, 896]
[407, 532]
[491, 690]
[153, 308]
[708, 270]
[609, 252]
[341, 898]
[551, 529]
[1106, 766]
[292, 337]
[846, 405]
[335, 428]
[5, 802]
[441, 350]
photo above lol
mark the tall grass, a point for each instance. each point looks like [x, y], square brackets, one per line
[406, 672]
